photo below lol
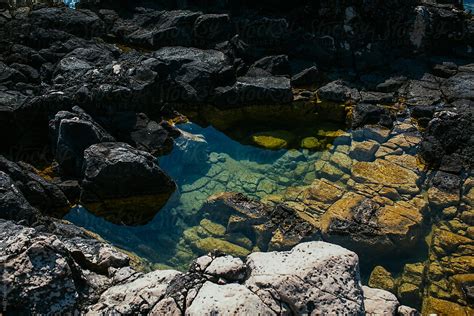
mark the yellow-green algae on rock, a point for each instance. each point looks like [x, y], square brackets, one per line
[273, 139]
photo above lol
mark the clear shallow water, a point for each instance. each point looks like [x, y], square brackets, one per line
[202, 166]
[469, 5]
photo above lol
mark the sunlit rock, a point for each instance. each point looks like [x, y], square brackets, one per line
[364, 225]
[364, 151]
[379, 302]
[387, 174]
[301, 276]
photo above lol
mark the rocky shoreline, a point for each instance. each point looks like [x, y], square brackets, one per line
[90, 98]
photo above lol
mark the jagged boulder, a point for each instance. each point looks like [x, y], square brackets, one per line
[71, 134]
[13, 205]
[40, 193]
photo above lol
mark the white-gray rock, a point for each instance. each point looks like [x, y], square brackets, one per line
[379, 302]
[227, 267]
[138, 296]
[407, 311]
[312, 278]
[228, 299]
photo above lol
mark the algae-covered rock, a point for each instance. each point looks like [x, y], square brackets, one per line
[432, 305]
[312, 143]
[273, 139]
[410, 285]
[209, 244]
[382, 279]
[387, 174]
[364, 151]
[214, 229]
[361, 224]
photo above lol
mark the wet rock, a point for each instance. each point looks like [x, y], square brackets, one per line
[391, 84]
[268, 227]
[422, 92]
[459, 86]
[210, 244]
[138, 296]
[138, 130]
[365, 226]
[302, 275]
[154, 29]
[444, 190]
[385, 173]
[410, 283]
[109, 169]
[377, 133]
[273, 139]
[71, 134]
[382, 279]
[364, 151]
[82, 23]
[312, 143]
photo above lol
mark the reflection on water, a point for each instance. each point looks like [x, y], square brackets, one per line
[204, 162]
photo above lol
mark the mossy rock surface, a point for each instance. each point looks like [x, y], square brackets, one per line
[312, 143]
[213, 228]
[209, 244]
[273, 139]
[380, 278]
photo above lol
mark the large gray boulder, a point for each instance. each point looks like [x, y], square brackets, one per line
[138, 296]
[54, 272]
[312, 278]
[228, 299]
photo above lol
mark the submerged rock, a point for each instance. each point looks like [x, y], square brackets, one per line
[123, 184]
[273, 139]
